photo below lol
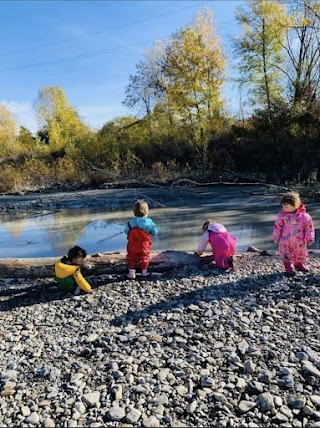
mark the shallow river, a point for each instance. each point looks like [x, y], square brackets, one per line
[247, 212]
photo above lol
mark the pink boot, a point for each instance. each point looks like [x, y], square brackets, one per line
[131, 274]
[301, 266]
[288, 268]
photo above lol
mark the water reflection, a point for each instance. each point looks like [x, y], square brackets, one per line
[52, 233]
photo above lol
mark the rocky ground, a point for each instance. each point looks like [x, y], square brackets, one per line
[184, 348]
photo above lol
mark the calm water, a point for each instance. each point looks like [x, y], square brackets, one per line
[52, 233]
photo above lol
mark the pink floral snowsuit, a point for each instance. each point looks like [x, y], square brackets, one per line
[293, 231]
[223, 244]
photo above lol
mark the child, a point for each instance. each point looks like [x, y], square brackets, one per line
[293, 231]
[139, 230]
[68, 273]
[223, 244]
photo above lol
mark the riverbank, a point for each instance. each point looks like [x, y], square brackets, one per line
[47, 225]
[191, 347]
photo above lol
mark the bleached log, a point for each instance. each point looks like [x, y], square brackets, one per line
[97, 264]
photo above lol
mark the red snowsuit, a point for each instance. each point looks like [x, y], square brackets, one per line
[138, 248]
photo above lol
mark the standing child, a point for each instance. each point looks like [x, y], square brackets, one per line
[68, 272]
[293, 231]
[223, 244]
[140, 230]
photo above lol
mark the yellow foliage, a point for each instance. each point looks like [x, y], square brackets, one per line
[8, 130]
[59, 117]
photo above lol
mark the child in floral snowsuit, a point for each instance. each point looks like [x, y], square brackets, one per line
[293, 231]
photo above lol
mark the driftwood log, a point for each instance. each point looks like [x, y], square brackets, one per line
[98, 264]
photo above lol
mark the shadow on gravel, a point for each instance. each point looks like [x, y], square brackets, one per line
[264, 288]
[29, 295]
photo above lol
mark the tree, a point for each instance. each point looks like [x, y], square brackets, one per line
[25, 137]
[303, 52]
[8, 130]
[144, 89]
[193, 70]
[59, 118]
[260, 48]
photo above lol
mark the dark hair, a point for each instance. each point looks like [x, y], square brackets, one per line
[291, 198]
[206, 225]
[75, 252]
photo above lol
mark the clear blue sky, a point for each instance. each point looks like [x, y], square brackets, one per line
[33, 33]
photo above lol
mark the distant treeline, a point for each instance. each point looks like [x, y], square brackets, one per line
[182, 128]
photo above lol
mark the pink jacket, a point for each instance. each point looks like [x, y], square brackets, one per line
[293, 231]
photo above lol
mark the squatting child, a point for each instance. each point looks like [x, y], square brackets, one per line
[68, 272]
[140, 230]
[293, 231]
[223, 244]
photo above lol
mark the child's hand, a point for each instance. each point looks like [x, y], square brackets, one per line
[310, 242]
[90, 291]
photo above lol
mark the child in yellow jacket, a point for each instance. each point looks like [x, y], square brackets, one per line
[68, 272]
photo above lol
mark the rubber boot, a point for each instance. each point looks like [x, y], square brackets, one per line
[301, 266]
[131, 274]
[233, 263]
[144, 272]
[288, 268]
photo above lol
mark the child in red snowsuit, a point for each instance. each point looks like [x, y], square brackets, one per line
[223, 244]
[140, 230]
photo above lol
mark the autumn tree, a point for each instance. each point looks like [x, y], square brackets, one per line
[59, 118]
[25, 137]
[193, 70]
[8, 130]
[260, 49]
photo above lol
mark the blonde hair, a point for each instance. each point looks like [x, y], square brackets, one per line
[206, 225]
[291, 198]
[140, 208]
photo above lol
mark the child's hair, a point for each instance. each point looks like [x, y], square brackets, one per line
[140, 208]
[75, 252]
[206, 225]
[291, 198]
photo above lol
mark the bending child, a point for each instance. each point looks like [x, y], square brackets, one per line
[68, 272]
[293, 231]
[223, 244]
[140, 230]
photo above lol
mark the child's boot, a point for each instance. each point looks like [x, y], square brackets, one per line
[233, 263]
[288, 268]
[301, 266]
[131, 274]
[144, 272]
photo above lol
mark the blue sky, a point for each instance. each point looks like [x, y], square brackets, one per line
[40, 40]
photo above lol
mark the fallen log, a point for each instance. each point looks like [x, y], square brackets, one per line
[98, 264]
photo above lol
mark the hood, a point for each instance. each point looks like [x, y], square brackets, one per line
[217, 228]
[301, 209]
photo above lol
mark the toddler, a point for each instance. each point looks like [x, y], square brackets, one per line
[293, 231]
[68, 272]
[140, 230]
[223, 244]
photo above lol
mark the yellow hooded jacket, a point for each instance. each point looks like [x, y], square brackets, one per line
[63, 270]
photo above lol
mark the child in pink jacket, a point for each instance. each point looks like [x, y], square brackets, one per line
[293, 231]
[223, 244]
